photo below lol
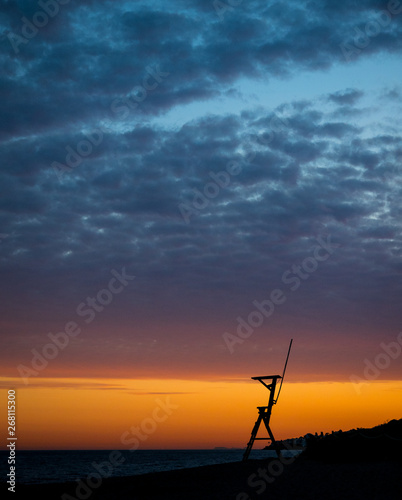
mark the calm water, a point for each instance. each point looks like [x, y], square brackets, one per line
[60, 466]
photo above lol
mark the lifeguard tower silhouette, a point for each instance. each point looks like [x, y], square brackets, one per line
[264, 412]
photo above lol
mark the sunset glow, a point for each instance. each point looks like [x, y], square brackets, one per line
[95, 414]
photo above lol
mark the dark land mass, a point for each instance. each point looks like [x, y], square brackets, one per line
[358, 444]
[329, 468]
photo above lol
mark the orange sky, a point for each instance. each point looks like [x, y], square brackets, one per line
[73, 413]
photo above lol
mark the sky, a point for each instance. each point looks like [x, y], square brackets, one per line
[186, 186]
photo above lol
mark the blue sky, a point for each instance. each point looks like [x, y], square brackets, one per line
[305, 85]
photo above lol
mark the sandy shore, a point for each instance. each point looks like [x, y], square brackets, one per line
[255, 479]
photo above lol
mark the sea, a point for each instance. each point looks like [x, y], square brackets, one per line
[33, 467]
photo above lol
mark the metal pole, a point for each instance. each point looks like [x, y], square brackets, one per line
[284, 370]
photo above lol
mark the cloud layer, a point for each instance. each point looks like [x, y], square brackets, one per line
[208, 213]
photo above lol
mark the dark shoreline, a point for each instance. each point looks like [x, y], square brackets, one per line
[255, 479]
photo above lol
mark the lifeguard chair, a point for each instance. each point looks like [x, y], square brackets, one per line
[264, 412]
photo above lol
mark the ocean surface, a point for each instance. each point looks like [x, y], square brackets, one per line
[60, 466]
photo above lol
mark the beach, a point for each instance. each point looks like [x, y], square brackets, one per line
[254, 479]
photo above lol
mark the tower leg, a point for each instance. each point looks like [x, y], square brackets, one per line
[253, 436]
[278, 451]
